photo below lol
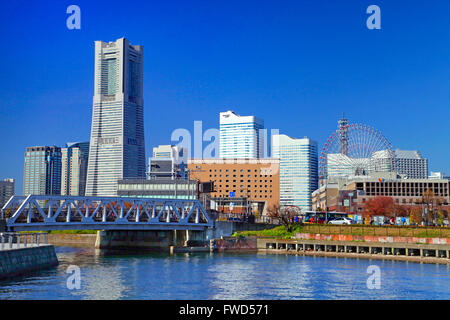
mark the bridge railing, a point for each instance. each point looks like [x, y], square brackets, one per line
[15, 240]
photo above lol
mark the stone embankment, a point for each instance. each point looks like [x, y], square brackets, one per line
[20, 256]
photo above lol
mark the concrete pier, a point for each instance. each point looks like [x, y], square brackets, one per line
[431, 253]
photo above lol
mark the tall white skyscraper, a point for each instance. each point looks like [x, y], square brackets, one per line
[117, 148]
[241, 136]
[298, 170]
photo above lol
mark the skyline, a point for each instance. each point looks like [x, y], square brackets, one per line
[249, 76]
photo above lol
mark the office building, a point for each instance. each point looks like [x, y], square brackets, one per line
[168, 162]
[117, 148]
[6, 191]
[298, 170]
[252, 182]
[411, 164]
[42, 171]
[358, 190]
[74, 161]
[241, 136]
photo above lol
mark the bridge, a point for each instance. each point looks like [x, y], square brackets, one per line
[45, 212]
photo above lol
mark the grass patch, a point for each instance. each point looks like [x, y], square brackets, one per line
[277, 232]
[63, 231]
[73, 231]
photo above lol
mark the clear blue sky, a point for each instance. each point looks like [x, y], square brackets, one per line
[296, 64]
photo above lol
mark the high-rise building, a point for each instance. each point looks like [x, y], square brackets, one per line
[42, 171]
[298, 170]
[117, 149]
[411, 164]
[74, 161]
[241, 136]
[6, 190]
[168, 162]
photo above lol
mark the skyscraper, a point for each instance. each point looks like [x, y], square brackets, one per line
[241, 136]
[298, 170]
[42, 171]
[74, 161]
[117, 148]
[6, 190]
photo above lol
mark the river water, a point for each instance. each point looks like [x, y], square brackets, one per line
[227, 276]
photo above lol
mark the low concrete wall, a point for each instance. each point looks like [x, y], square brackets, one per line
[19, 261]
[72, 239]
[344, 237]
[234, 244]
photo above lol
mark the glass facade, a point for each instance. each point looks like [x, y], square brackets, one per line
[298, 170]
[42, 171]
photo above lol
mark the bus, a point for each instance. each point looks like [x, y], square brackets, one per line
[322, 217]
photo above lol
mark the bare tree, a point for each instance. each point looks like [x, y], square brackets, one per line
[285, 215]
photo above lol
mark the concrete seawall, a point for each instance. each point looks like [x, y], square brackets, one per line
[426, 253]
[21, 260]
[234, 244]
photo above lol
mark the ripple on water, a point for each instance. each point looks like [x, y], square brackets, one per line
[227, 276]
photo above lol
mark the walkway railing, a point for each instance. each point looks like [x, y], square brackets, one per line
[13, 240]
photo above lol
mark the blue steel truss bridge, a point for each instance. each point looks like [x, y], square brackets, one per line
[45, 212]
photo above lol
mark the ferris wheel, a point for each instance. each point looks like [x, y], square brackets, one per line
[355, 150]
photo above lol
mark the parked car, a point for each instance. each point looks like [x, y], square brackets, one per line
[342, 221]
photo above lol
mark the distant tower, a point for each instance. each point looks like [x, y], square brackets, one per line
[117, 149]
[241, 136]
[343, 135]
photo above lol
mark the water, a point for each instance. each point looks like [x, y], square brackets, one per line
[227, 276]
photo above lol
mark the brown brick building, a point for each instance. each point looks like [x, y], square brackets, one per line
[255, 182]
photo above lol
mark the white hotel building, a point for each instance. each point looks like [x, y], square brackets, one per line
[298, 170]
[241, 136]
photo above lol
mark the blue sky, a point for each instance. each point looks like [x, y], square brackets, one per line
[296, 64]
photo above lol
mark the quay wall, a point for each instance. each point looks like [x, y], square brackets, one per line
[384, 239]
[18, 261]
[415, 252]
[234, 244]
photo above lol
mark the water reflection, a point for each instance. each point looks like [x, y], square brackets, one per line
[227, 276]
